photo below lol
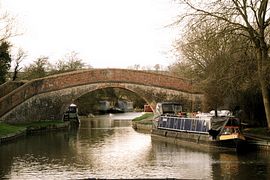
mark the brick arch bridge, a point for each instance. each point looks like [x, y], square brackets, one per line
[47, 98]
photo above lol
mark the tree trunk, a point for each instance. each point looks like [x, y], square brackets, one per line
[265, 95]
[262, 61]
[15, 74]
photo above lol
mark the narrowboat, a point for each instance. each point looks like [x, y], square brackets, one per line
[71, 115]
[222, 132]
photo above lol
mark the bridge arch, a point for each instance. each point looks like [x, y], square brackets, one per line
[47, 98]
[126, 87]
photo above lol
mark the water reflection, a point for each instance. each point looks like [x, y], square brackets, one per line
[181, 163]
[107, 147]
[252, 165]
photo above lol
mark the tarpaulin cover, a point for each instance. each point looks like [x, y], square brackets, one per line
[217, 124]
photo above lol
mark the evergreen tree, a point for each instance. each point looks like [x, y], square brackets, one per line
[5, 61]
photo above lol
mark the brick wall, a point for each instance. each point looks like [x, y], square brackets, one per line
[9, 87]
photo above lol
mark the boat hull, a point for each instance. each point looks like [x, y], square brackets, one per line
[201, 141]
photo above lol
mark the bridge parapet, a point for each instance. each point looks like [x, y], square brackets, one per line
[10, 86]
[113, 75]
[91, 76]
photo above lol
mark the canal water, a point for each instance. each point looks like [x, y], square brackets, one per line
[108, 147]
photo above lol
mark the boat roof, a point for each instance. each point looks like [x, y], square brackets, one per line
[177, 103]
[72, 105]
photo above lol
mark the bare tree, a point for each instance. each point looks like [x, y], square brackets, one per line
[6, 27]
[135, 67]
[70, 62]
[38, 69]
[248, 18]
[157, 67]
[21, 55]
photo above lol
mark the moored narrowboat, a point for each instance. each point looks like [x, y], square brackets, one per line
[222, 132]
[71, 115]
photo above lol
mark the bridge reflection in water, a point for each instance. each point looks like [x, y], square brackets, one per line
[107, 147]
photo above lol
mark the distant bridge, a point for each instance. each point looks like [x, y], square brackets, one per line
[47, 98]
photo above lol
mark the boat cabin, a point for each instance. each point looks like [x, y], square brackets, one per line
[172, 108]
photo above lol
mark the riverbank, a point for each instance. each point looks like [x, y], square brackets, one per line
[143, 122]
[260, 132]
[10, 132]
[258, 138]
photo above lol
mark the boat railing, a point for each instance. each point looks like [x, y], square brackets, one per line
[185, 124]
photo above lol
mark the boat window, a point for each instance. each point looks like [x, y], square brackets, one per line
[228, 131]
[171, 108]
[72, 109]
[177, 108]
[168, 108]
[236, 130]
[233, 122]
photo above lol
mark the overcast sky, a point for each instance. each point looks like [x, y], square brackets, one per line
[105, 33]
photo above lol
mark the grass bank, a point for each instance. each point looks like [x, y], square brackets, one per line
[146, 118]
[6, 129]
[9, 130]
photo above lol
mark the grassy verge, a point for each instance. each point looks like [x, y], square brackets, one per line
[6, 129]
[258, 131]
[146, 118]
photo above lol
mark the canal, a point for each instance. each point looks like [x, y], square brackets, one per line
[108, 147]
